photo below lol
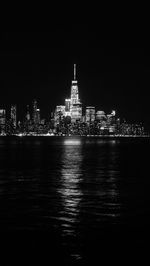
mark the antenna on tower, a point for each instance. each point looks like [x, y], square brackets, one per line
[74, 71]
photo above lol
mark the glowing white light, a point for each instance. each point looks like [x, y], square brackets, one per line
[20, 134]
[113, 112]
[113, 142]
[72, 142]
[70, 190]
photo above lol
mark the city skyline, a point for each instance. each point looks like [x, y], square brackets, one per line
[75, 137]
[51, 108]
[70, 119]
[113, 72]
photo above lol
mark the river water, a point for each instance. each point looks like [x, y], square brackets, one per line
[74, 201]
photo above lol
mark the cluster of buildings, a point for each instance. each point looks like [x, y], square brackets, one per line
[68, 119]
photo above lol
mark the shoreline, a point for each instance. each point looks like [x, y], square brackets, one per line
[77, 136]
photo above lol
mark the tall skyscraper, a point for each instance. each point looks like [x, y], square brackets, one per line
[75, 104]
[74, 90]
[2, 121]
[36, 114]
[13, 115]
[59, 113]
[28, 114]
[111, 121]
[72, 107]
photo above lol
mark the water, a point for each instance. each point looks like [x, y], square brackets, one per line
[73, 200]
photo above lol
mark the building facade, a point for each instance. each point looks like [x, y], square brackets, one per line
[2, 121]
[90, 114]
[13, 115]
[36, 114]
[72, 107]
[75, 104]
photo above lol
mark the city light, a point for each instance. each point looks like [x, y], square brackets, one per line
[72, 142]
[70, 119]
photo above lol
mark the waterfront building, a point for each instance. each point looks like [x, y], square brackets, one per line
[35, 118]
[76, 112]
[13, 115]
[111, 118]
[67, 107]
[59, 113]
[28, 114]
[100, 115]
[75, 104]
[38, 116]
[68, 120]
[2, 121]
[90, 114]
[72, 107]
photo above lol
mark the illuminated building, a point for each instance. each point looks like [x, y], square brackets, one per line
[90, 114]
[100, 115]
[113, 113]
[102, 125]
[34, 111]
[2, 121]
[67, 120]
[112, 129]
[111, 117]
[76, 112]
[67, 107]
[36, 114]
[111, 122]
[60, 109]
[72, 107]
[59, 113]
[74, 89]
[13, 116]
[75, 104]
[28, 114]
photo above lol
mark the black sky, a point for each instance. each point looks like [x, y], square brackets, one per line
[113, 71]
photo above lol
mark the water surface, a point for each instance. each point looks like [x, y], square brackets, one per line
[75, 200]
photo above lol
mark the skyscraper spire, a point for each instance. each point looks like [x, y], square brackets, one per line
[74, 71]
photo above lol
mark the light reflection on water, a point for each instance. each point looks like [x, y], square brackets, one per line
[71, 177]
[67, 184]
[101, 141]
[88, 187]
[72, 141]
[89, 183]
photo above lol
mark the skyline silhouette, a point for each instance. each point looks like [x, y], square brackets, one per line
[112, 73]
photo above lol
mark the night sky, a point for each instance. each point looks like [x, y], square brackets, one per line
[113, 71]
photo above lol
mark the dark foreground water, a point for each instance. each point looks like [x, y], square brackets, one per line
[74, 201]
